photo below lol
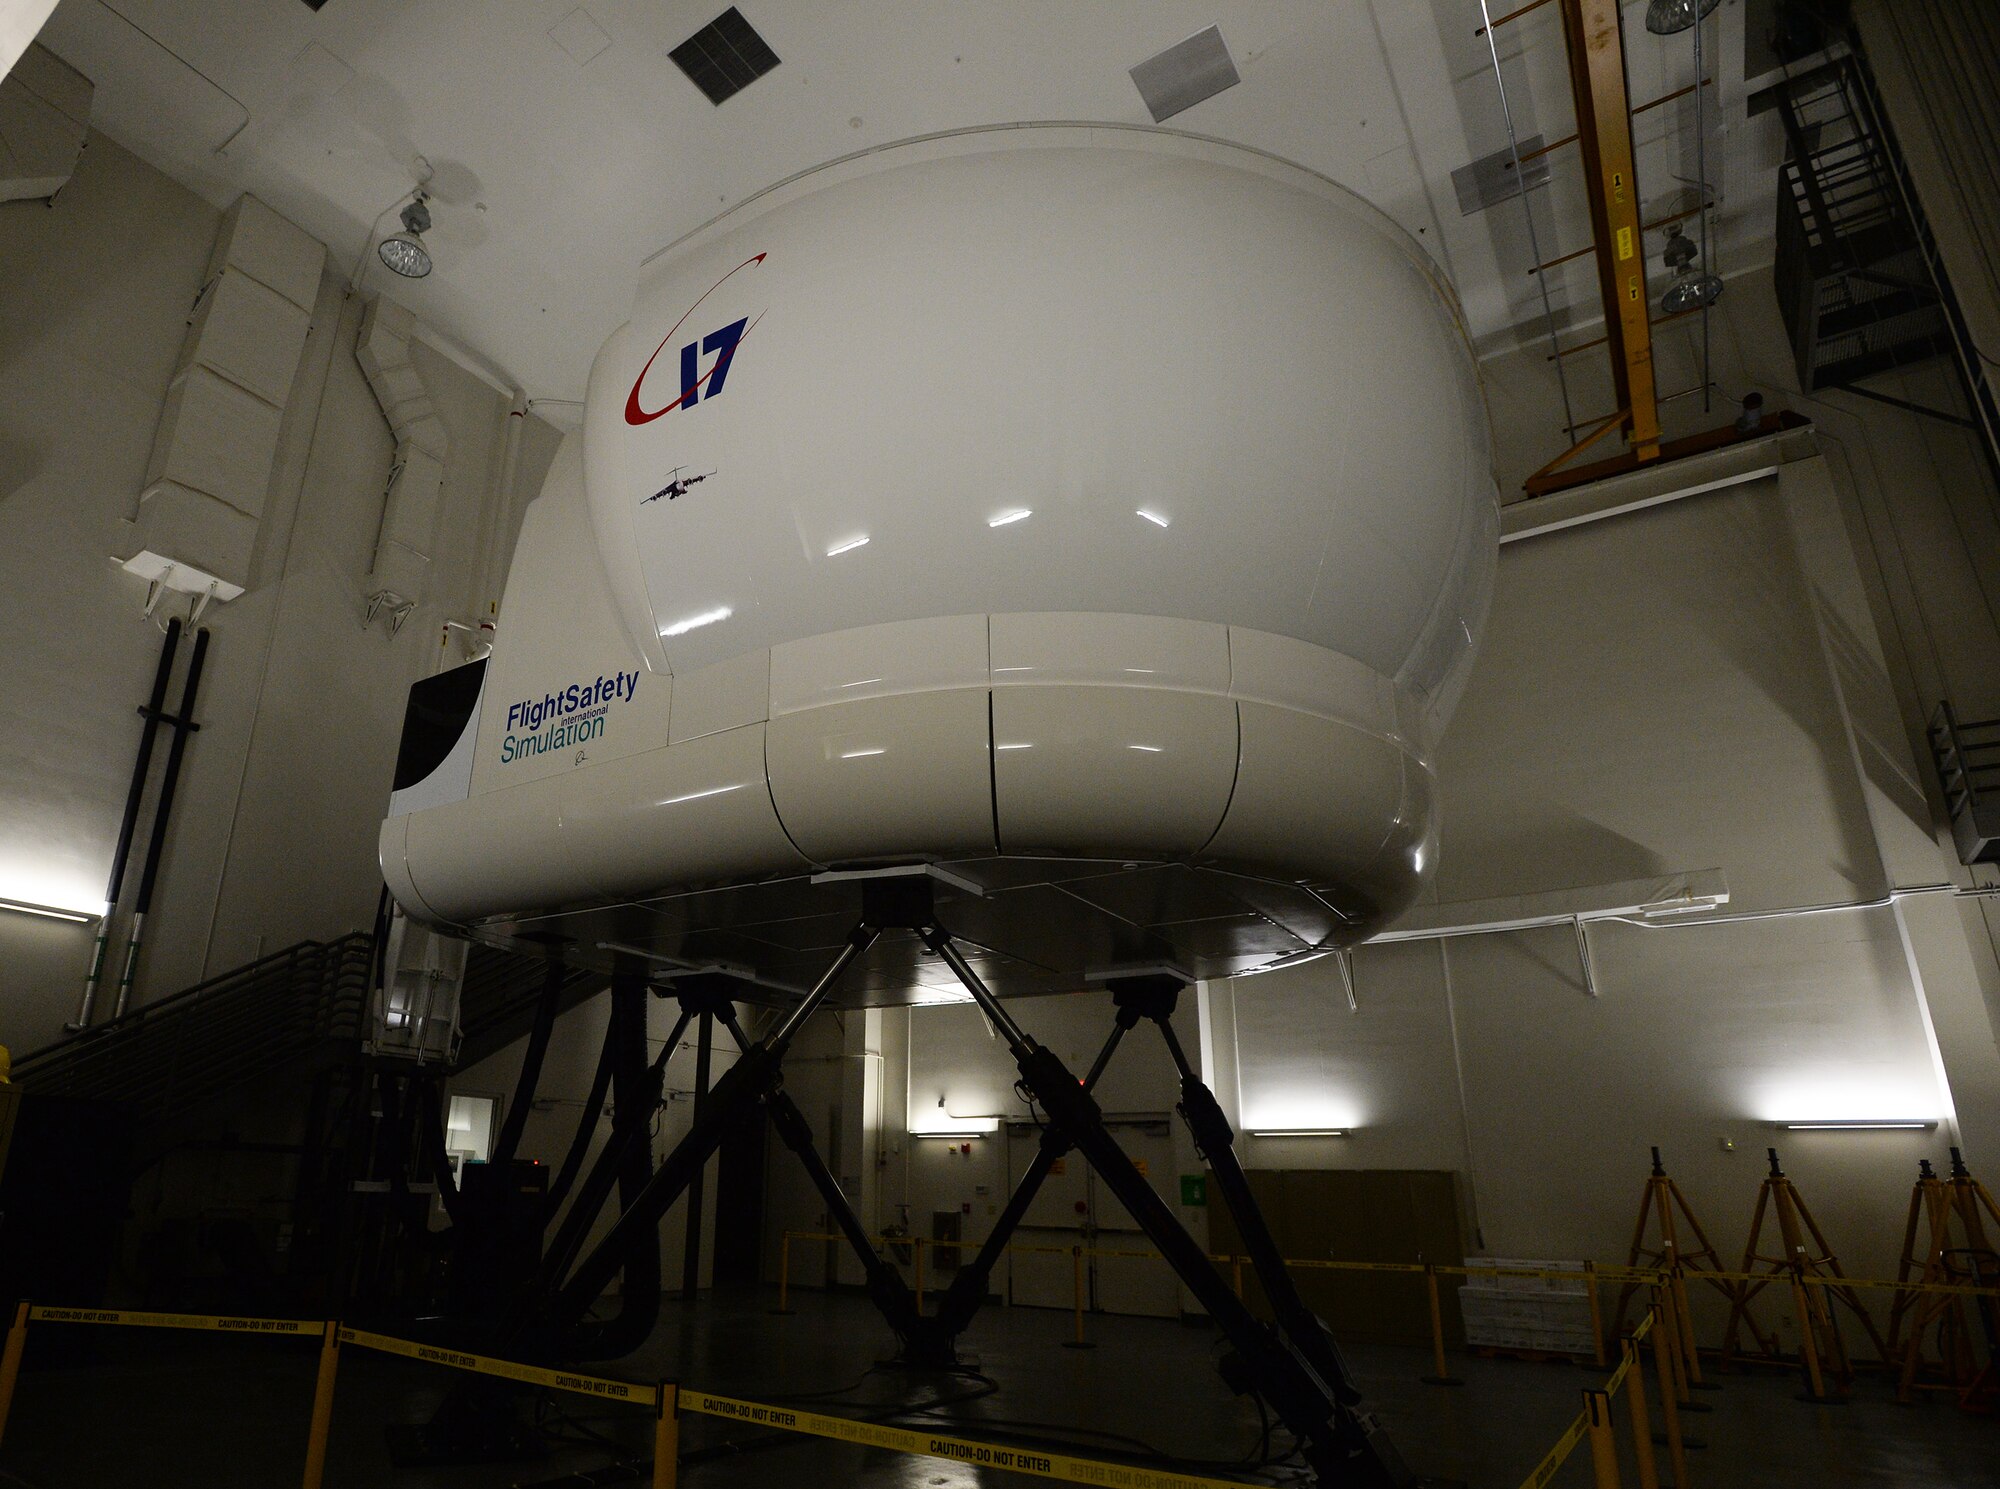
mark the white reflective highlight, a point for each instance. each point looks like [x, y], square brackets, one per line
[674, 801]
[694, 622]
[848, 547]
[862, 754]
[1006, 517]
[1153, 517]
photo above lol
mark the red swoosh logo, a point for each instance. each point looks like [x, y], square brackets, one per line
[636, 415]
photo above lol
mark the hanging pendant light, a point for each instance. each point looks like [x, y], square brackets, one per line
[1671, 17]
[404, 253]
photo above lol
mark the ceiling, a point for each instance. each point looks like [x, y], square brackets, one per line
[564, 145]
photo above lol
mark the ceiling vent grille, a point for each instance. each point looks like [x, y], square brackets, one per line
[725, 56]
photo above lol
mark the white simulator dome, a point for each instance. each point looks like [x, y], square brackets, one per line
[1102, 516]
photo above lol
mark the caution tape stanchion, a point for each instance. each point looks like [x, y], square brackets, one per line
[1443, 1377]
[322, 1408]
[1635, 1409]
[666, 1435]
[1076, 1291]
[1603, 1441]
[10, 1361]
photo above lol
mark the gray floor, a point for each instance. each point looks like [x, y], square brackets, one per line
[143, 1407]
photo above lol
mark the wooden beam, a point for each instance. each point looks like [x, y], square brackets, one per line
[1604, 123]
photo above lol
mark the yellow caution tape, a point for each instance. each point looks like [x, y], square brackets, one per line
[534, 1375]
[282, 1326]
[1565, 1445]
[1036, 1462]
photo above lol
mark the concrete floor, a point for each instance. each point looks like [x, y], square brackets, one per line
[172, 1410]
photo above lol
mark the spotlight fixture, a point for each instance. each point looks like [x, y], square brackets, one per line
[1671, 17]
[1692, 288]
[404, 253]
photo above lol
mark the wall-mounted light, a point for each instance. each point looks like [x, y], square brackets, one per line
[51, 912]
[1860, 1124]
[940, 1123]
[1302, 1132]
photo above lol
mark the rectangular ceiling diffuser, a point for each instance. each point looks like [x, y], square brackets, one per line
[725, 56]
[1185, 73]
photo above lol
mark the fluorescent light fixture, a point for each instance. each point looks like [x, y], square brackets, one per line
[960, 1127]
[1153, 517]
[1006, 517]
[1861, 1124]
[49, 911]
[863, 754]
[848, 547]
[1302, 1132]
[674, 801]
[694, 622]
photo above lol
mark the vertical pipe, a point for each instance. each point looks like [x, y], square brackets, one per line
[784, 1307]
[10, 1361]
[322, 1412]
[183, 725]
[691, 1252]
[121, 854]
[1701, 185]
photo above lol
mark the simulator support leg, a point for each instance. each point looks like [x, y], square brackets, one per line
[1341, 1443]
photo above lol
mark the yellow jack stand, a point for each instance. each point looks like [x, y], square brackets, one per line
[1941, 1317]
[1665, 1207]
[1821, 1350]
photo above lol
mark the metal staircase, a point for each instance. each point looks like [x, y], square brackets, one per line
[291, 1012]
[1966, 753]
[1853, 280]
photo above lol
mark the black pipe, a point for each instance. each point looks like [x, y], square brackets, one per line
[436, 1150]
[183, 725]
[579, 1146]
[128, 824]
[691, 1252]
[531, 1064]
[635, 1096]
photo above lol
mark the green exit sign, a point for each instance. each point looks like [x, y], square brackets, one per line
[1194, 1189]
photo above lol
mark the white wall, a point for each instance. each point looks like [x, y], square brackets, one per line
[274, 827]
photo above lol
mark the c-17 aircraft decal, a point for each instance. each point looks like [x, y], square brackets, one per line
[677, 485]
